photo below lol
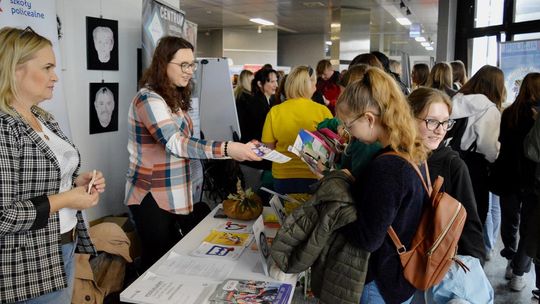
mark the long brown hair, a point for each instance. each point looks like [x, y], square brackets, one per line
[489, 81]
[155, 77]
[458, 71]
[440, 76]
[420, 73]
[528, 96]
[379, 90]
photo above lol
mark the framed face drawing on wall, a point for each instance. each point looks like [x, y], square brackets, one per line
[101, 44]
[103, 107]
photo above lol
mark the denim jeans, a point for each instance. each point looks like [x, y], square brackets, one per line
[372, 295]
[62, 296]
[493, 223]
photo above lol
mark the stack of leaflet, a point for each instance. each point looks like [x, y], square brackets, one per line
[224, 244]
[317, 149]
[250, 291]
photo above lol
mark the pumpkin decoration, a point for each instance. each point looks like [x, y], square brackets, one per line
[244, 205]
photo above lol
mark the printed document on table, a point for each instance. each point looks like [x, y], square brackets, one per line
[177, 264]
[155, 289]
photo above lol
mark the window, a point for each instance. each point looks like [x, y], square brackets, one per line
[484, 51]
[489, 12]
[526, 10]
[528, 36]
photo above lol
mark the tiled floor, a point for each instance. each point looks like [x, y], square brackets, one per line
[495, 269]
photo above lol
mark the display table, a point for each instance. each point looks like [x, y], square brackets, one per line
[171, 279]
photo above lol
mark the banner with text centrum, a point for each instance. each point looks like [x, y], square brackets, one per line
[517, 59]
[40, 15]
[158, 20]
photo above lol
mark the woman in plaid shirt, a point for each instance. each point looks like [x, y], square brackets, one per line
[161, 144]
[41, 192]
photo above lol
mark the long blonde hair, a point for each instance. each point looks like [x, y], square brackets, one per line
[244, 83]
[18, 47]
[380, 91]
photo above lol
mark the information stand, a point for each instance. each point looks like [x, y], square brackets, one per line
[178, 275]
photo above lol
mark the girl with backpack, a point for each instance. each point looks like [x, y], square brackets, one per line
[476, 109]
[432, 109]
[388, 192]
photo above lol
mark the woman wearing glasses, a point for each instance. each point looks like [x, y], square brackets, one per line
[161, 144]
[432, 110]
[283, 123]
[41, 190]
[388, 192]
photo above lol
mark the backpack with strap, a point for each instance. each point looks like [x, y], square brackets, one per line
[434, 245]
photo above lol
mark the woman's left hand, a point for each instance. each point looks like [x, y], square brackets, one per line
[84, 179]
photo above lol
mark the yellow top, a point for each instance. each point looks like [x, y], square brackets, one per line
[283, 122]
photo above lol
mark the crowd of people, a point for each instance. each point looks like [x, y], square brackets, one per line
[466, 136]
[458, 126]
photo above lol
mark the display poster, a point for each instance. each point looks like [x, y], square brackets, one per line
[517, 59]
[158, 20]
[40, 15]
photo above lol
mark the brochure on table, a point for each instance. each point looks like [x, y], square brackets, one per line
[181, 277]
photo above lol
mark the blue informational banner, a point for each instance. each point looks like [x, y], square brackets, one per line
[517, 59]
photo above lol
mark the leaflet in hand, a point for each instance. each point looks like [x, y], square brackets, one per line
[251, 292]
[315, 149]
[272, 155]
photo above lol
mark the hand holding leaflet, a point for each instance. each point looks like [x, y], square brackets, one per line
[265, 152]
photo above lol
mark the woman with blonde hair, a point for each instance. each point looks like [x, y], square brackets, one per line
[283, 123]
[41, 191]
[432, 109]
[440, 78]
[388, 192]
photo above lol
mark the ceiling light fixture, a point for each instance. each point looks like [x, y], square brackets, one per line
[261, 21]
[420, 39]
[403, 21]
[429, 48]
[259, 29]
[425, 44]
[328, 42]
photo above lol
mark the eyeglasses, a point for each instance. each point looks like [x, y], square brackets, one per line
[433, 124]
[184, 66]
[350, 124]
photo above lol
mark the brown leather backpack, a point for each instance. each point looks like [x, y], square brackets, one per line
[434, 245]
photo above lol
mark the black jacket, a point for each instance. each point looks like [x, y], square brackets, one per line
[514, 171]
[457, 182]
[252, 110]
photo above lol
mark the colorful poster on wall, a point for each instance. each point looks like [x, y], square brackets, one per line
[517, 59]
[40, 15]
